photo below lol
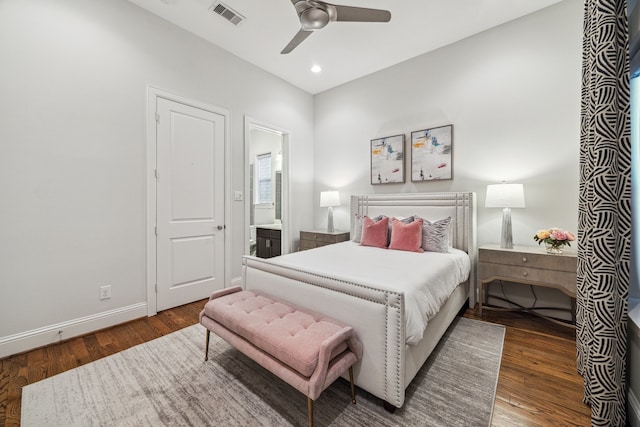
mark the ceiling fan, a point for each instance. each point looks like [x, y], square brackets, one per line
[316, 14]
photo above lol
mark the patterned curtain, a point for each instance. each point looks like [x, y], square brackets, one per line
[604, 211]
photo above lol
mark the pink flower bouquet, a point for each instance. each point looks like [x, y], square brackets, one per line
[554, 238]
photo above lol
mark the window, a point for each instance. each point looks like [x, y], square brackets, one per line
[264, 189]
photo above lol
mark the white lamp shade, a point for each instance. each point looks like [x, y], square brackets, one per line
[504, 196]
[329, 199]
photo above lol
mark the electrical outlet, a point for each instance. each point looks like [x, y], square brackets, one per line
[105, 292]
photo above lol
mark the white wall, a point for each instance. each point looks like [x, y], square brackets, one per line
[512, 94]
[73, 84]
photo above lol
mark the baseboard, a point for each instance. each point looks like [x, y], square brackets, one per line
[24, 341]
[633, 412]
[236, 281]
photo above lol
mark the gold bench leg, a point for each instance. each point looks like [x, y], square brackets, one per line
[353, 387]
[206, 347]
[310, 408]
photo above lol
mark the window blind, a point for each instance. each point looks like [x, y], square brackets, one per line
[264, 189]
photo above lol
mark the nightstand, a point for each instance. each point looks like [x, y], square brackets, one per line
[315, 239]
[529, 265]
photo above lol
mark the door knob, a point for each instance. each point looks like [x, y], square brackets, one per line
[221, 227]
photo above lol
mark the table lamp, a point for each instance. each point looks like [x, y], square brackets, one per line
[329, 199]
[505, 196]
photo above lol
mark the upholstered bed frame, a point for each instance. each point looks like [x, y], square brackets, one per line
[388, 365]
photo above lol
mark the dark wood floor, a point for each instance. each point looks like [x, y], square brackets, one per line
[538, 384]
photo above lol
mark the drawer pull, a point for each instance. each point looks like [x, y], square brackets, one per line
[525, 274]
[524, 259]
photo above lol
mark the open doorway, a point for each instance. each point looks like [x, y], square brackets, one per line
[266, 190]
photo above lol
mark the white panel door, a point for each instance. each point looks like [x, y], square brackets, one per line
[190, 203]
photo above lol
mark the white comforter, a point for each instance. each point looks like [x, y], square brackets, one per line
[427, 279]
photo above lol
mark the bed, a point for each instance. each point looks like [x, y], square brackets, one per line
[379, 308]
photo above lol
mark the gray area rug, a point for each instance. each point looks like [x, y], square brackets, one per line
[167, 382]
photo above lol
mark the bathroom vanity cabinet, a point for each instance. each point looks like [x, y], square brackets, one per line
[268, 241]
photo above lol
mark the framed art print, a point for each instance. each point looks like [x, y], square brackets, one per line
[431, 157]
[387, 160]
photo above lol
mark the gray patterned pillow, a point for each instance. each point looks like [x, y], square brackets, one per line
[435, 235]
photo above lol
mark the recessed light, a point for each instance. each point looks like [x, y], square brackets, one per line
[316, 69]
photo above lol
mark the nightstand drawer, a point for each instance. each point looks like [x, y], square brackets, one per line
[322, 237]
[310, 244]
[315, 239]
[552, 278]
[530, 260]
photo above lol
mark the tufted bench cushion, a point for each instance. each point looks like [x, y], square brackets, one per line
[284, 331]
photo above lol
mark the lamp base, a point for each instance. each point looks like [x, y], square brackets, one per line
[506, 240]
[330, 220]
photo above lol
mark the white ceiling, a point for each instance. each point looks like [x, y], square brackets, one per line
[344, 50]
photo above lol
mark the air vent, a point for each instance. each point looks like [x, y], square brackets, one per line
[227, 13]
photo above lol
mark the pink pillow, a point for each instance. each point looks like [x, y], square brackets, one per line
[406, 237]
[374, 233]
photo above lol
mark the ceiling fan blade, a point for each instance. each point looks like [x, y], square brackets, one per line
[296, 40]
[360, 14]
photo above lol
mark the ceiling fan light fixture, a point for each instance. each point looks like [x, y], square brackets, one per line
[314, 18]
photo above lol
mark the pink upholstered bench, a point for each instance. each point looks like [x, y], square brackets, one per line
[305, 349]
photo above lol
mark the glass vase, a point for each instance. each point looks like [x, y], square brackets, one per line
[553, 250]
